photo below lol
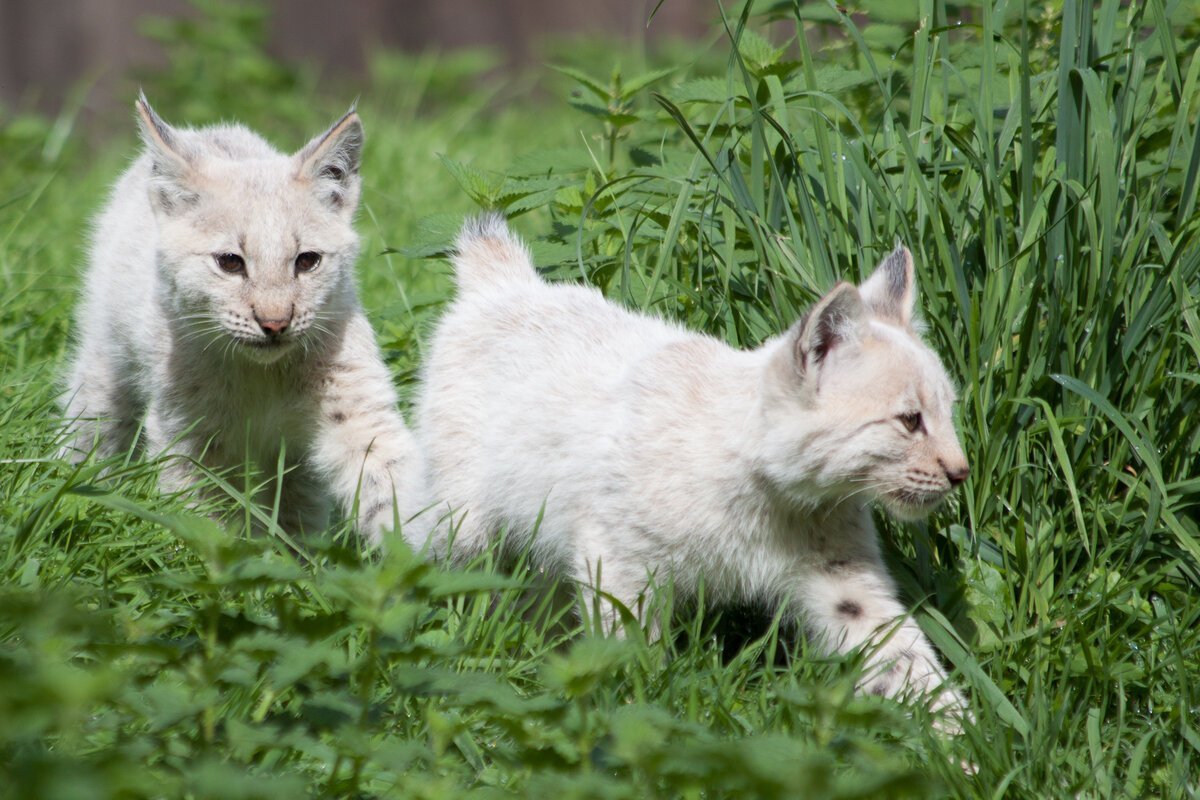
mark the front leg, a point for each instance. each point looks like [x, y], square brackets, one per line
[169, 438]
[850, 602]
[99, 405]
[362, 447]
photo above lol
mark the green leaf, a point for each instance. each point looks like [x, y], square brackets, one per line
[588, 662]
[757, 51]
[632, 86]
[701, 90]
[482, 187]
[596, 87]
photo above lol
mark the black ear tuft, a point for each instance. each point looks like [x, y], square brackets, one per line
[331, 162]
[172, 165]
[890, 292]
[836, 319]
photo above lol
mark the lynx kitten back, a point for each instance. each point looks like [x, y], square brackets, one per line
[220, 317]
[647, 451]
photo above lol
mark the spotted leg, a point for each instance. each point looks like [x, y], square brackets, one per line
[362, 445]
[850, 602]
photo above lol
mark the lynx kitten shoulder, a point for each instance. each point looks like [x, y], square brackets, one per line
[650, 451]
[220, 316]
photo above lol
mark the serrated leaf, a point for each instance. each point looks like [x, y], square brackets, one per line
[641, 731]
[435, 236]
[593, 85]
[757, 51]
[569, 197]
[516, 204]
[165, 702]
[834, 79]
[546, 254]
[588, 662]
[591, 109]
[482, 187]
[703, 90]
[634, 85]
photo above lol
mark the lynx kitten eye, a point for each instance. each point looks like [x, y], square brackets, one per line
[307, 262]
[911, 421]
[231, 263]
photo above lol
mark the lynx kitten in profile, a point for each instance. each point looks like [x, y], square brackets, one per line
[650, 451]
[220, 315]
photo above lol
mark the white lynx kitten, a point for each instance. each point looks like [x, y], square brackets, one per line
[653, 451]
[220, 312]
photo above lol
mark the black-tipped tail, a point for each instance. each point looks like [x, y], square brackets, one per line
[487, 254]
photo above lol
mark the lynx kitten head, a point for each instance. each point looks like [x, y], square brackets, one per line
[856, 404]
[256, 248]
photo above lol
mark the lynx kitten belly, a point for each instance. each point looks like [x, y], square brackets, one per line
[220, 317]
[648, 450]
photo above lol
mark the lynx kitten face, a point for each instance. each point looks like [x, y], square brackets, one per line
[860, 404]
[644, 451]
[255, 248]
[220, 319]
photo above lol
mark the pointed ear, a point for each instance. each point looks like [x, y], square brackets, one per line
[331, 160]
[834, 321]
[172, 164]
[889, 292]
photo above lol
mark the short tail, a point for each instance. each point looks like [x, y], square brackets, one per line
[487, 254]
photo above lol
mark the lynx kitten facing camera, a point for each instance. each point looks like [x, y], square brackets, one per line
[649, 451]
[220, 316]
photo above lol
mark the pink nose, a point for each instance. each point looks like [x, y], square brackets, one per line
[272, 327]
[958, 473]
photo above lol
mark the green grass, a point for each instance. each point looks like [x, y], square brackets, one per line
[1044, 169]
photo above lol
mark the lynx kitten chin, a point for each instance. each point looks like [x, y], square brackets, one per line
[651, 451]
[219, 315]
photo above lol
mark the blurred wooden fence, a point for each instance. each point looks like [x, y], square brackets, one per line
[49, 46]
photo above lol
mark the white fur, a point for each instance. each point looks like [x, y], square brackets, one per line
[649, 450]
[169, 341]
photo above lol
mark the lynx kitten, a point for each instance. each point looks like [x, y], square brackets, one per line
[651, 451]
[220, 314]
